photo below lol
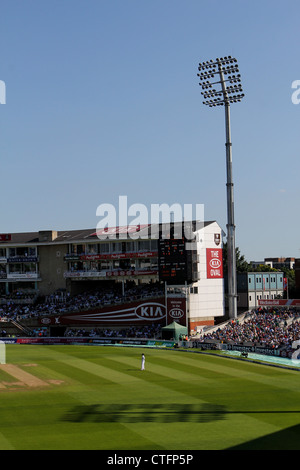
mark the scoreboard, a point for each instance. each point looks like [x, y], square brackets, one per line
[175, 263]
[172, 261]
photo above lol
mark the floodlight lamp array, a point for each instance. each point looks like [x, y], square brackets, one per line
[221, 102]
[211, 64]
[227, 94]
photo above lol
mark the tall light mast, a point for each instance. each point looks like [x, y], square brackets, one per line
[226, 90]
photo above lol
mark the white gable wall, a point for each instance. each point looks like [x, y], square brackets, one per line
[208, 303]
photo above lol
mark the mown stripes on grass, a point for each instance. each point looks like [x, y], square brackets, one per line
[181, 401]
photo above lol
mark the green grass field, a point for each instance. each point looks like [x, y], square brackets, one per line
[95, 397]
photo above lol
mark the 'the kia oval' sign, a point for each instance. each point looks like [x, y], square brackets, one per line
[214, 263]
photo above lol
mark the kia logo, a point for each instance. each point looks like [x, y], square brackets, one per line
[215, 263]
[176, 313]
[150, 311]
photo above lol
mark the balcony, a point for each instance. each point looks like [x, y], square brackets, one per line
[111, 256]
[22, 276]
[23, 259]
[110, 274]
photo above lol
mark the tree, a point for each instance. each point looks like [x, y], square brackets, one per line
[265, 268]
[242, 265]
[291, 283]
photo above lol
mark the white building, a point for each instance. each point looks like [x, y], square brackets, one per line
[206, 298]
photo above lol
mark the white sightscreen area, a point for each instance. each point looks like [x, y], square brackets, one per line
[2, 353]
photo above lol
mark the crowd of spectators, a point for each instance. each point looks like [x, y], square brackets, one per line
[273, 328]
[149, 331]
[18, 296]
[61, 302]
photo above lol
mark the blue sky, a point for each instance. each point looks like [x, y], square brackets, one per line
[103, 100]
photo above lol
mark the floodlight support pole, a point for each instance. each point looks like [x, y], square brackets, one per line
[231, 252]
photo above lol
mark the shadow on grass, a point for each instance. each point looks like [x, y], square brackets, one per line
[162, 413]
[287, 439]
[139, 413]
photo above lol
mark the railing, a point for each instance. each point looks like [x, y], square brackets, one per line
[17, 276]
[21, 327]
[111, 273]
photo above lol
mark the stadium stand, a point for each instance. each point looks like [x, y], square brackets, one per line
[269, 327]
[274, 328]
[58, 304]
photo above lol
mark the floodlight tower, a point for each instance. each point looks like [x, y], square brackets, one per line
[223, 96]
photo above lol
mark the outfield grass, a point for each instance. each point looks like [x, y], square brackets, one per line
[91, 397]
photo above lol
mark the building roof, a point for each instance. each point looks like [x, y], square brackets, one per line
[72, 236]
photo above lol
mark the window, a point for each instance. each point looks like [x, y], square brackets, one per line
[116, 247]
[105, 265]
[29, 267]
[129, 247]
[154, 263]
[12, 252]
[32, 251]
[77, 266]
[94, 266]
[22, 268]
[145, 263]
[104, 248]
[78, 249]
[144, 245]
[15, 268]
[92, 249]
[153, 245]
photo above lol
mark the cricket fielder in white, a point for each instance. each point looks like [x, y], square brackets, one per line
[143, 362]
